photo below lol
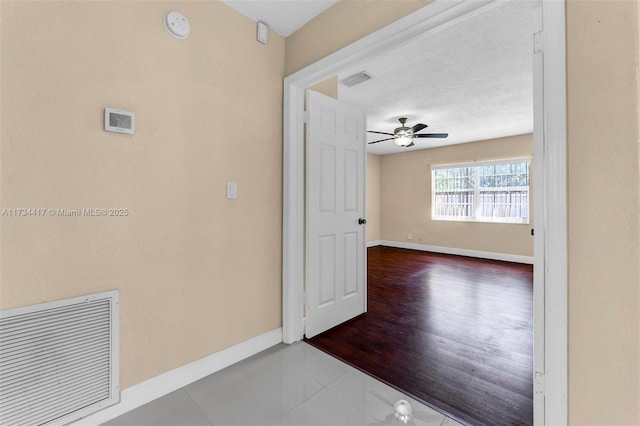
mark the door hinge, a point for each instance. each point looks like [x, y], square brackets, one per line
[306, 117]
[305, 298]
[539, 384]
[537, 41]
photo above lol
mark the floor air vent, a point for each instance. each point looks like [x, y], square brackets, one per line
[59, 360]
[356, 78]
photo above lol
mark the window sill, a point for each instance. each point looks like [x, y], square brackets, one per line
[472, 220]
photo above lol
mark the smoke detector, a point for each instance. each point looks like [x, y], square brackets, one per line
[177, 25]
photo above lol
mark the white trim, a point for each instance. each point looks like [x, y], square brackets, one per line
[293, 178]
[158, 386]
[538, 221]
[432, 18]
[480, 163]
[374, 243]
[555, 212]
[435, 16]
[460, 252]
[477, 189]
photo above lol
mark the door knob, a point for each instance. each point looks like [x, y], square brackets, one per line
[362, 221]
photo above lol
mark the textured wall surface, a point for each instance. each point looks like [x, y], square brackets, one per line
[405, 194]
[197, 273]
[373, 197]
[604, 308]
[345, 22]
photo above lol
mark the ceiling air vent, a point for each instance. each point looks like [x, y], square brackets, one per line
[357, 78]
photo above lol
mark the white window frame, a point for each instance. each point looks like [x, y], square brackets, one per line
[476, 189]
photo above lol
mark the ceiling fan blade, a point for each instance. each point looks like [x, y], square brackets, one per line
[382, 140]
[432, 135]
[381, 133]
[418, 127]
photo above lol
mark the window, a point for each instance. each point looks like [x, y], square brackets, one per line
[481, 192]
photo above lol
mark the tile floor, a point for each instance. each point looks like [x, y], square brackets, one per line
[285, 385]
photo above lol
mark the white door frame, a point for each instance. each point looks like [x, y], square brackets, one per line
[434, 17]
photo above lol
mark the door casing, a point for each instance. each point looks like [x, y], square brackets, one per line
[436, 16]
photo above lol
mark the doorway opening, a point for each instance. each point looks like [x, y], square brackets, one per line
[550, 402]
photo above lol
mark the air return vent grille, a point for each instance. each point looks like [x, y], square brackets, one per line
[356, 78]
[59, 360]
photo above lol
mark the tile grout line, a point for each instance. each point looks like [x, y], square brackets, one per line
[322, 386]
[304, 400]
[184, 389]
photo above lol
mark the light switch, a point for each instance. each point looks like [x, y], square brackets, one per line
[232, 190]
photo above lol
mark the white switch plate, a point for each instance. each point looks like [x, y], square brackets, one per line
[232, 190]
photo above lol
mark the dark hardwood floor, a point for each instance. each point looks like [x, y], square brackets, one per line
[451, 331]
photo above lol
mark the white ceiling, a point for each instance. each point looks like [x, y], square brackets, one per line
[283, 16]
[472, 80]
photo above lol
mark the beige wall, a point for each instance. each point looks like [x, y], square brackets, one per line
[197, 273]
[213, 264]
[347, 21]
[405, 194]
[373, 197]
[327, 87]
[604, 308]
[604, 280]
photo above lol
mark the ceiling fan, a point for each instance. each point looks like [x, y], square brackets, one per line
[403, 135]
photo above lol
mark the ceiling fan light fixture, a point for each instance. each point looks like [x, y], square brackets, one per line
[402, 140]
[403, 136]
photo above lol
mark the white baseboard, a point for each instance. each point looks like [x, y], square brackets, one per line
[460, 252]
[374, 243]
[156, 387]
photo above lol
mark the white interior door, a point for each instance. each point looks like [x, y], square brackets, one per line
[335, 205]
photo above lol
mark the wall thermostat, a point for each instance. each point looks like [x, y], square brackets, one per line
[116, 120]
[177, 25]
